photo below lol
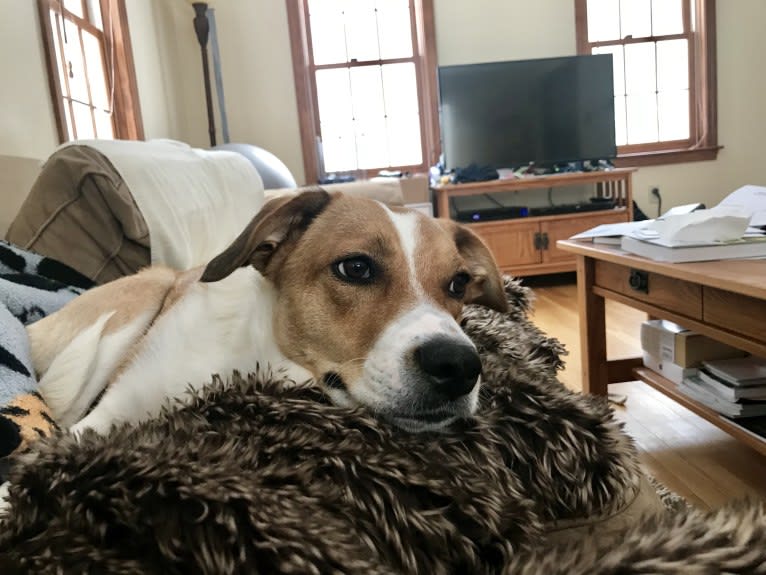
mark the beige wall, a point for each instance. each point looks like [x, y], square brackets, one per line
[489, 30]
[260, 94]
[27, 126]
[168, 70]
[258, 77]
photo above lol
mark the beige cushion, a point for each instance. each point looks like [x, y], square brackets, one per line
[80, 212]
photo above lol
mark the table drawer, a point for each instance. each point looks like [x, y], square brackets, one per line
[678, 296]
[742, 314]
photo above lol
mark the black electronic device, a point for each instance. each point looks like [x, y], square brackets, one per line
[542, 112]
[602, 204]
[484, 208]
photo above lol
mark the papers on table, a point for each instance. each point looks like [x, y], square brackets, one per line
[750, 199]
[740, 218]
[612, 230]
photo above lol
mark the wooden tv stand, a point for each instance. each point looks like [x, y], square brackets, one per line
[527, 245]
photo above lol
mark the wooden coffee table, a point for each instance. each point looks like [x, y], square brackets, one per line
[725, 300]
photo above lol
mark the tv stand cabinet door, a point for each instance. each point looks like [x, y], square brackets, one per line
[512, 242]
[563, 229]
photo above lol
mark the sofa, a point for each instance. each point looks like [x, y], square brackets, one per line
[108, 208]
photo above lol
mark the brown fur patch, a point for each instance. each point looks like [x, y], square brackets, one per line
[32, 416]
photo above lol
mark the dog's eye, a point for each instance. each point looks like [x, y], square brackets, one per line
[357, 269]
[458, 284]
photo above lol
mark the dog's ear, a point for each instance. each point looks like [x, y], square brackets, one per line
[278, 220]
[487, 289]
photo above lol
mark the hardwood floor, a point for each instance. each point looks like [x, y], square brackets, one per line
[686, 453]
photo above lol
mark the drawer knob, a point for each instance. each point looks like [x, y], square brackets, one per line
[639, 281]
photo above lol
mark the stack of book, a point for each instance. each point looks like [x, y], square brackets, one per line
[681, 252]
[733, 387]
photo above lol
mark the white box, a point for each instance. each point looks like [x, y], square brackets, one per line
[669, 341]
[668, 369]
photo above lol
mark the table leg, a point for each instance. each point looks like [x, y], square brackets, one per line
[442, 204]
[592, 330]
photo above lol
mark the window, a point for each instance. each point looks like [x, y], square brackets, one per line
[664, 75]
[365, 80]
[90, 69]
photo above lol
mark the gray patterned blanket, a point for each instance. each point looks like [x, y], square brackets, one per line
[31, 287]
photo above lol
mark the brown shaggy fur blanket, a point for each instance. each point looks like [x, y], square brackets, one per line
[252, 476]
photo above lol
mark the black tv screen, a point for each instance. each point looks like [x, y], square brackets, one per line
[543, 111]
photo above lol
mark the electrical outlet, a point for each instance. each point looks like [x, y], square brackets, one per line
[654, 195]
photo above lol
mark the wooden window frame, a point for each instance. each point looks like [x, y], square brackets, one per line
[703, 141]
[126, 109]
[422, 19]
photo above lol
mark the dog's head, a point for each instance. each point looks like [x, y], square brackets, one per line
[368, 298]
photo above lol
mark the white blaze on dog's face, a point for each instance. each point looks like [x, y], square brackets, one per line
[368, 298]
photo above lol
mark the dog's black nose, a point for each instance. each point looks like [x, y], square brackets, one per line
[452, 367]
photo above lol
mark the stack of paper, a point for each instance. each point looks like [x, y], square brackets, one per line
[693, 387]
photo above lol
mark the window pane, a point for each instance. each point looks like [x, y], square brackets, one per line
[94, 13]
[400, 89]
[104, 126]
[55, 23]
[334, 95]
[83, 120]
[371, 143]
[640, 70]
[618, 65]
[367, 93]
[361, 30]
[336, 118]
[68, 120]
[642, 118]
[404, 140]
[635, 18]
[620, 121]
[96, 73]
[328, 35]
[339, 147]
[369, 117]
[402, 117]
[75, 7]
[603, 20]
[75, 68]
[674, 115]
[667, 17]
[394, 28]
[672, 65]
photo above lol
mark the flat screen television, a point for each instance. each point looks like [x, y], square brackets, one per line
[510, 114]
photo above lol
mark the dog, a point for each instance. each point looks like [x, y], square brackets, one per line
[360, 297]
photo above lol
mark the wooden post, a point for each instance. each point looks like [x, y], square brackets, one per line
[202, 28]
[592, 329]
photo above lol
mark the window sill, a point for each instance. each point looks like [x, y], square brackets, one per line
[662, 157]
